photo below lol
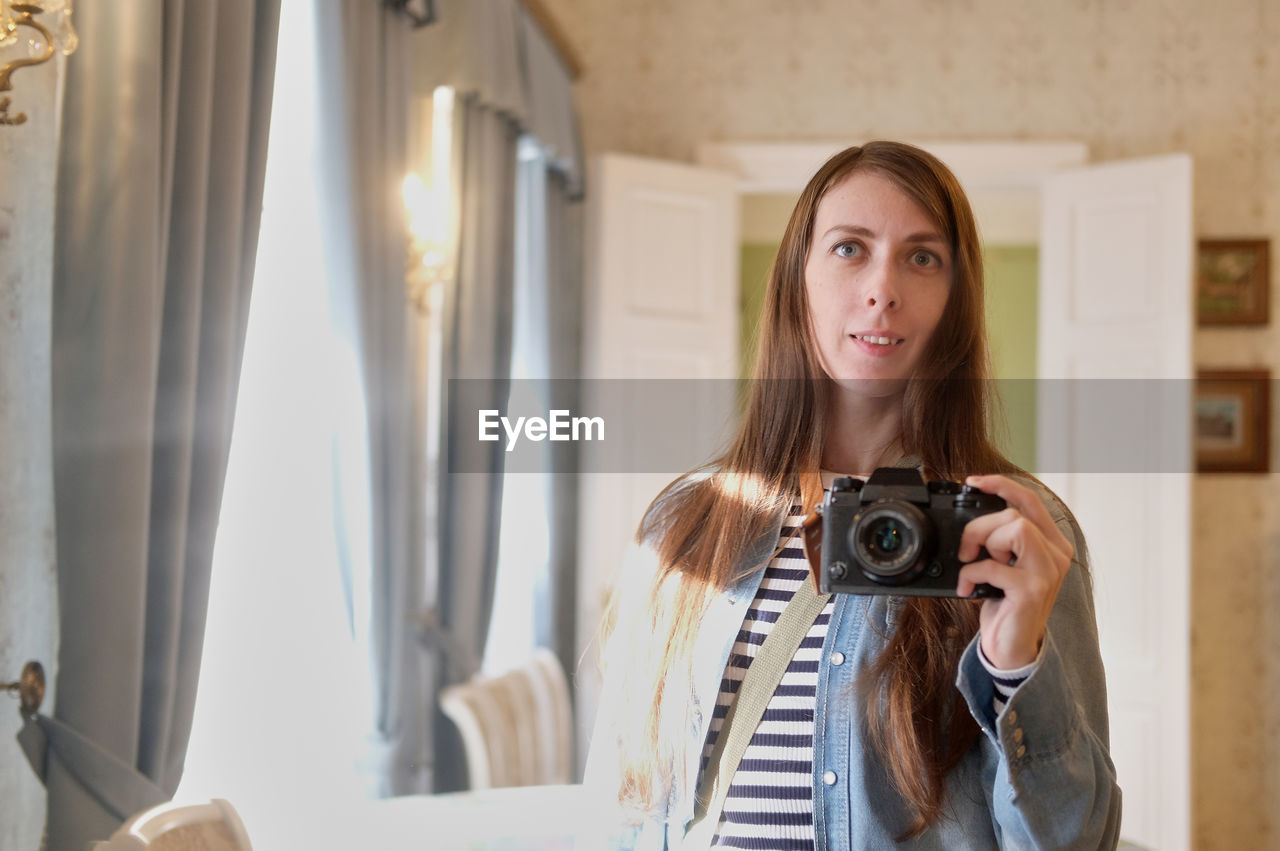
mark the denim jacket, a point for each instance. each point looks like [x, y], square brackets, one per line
[1038, 776]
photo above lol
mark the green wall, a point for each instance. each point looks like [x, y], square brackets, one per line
[755, 262]
[1012, 308]
[1012, 274]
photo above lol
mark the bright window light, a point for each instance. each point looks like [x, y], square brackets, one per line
[283, 702]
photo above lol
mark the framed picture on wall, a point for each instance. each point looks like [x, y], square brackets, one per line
[1233, 421]
[1233, 281]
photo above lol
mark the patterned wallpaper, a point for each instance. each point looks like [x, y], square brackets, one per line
[1129, 78]
[28, 587]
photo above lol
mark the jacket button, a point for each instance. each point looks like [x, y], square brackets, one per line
[837, 658]
[1017, 735]
[829, 777]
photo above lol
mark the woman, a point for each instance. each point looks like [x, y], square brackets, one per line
[926, 722]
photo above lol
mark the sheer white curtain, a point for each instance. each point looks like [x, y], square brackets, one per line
[284, 698]
[524, 544]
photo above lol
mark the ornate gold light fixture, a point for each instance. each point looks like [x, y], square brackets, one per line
[427, 205]
[39, 45]
[428, 264]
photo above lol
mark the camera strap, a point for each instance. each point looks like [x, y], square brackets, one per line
[761, 680]
[811, 530]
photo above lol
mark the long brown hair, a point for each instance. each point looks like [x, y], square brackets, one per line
[702, 524]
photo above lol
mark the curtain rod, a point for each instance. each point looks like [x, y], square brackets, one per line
[555, 34]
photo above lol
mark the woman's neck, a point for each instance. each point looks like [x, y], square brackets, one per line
[863, 434]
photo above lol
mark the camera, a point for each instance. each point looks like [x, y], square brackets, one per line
[898, 534]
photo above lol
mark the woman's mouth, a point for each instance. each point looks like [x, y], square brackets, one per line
[877, 340]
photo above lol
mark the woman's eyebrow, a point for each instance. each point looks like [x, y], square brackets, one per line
[859, 230]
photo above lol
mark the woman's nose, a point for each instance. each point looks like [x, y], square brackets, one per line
[881, 287]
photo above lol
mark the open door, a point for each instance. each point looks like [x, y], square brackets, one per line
[660, 302]
[1115, 442]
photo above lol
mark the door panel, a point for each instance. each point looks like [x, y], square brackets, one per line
[1114, 441]
[660, 302]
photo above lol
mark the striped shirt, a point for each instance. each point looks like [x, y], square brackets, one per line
[770, 800]
[769, 804]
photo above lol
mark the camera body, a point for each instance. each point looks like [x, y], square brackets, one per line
[898, 534]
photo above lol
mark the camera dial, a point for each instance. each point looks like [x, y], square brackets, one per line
[845, 483]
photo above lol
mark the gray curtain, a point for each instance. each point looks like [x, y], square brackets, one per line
[559, 606]
[476, 345]
[363, 148]
[509, 82]
[159, 193]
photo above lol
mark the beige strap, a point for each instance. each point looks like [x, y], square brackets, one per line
[761, 680]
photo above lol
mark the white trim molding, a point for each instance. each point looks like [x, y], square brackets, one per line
[1002, 178]
[767, 167]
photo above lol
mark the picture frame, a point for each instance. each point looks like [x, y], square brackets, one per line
[1232, 427]
[1233, 282]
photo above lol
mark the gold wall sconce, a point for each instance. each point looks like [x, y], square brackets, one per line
[428, 264]
[40, 45]
[429, 208]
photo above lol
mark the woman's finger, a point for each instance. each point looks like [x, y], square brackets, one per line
[1028, 503]
[977, 530]
[1002, 576]
[1023, 540]
[1019, 546]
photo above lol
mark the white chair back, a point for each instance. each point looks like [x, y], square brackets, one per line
[213, 826]
[556, 715]
[516, 728]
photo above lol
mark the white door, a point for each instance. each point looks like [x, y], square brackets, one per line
[660, 305]
[1114, 441]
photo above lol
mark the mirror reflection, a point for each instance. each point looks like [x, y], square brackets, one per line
[347, 347]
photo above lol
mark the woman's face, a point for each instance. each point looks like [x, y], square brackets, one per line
[877, 275]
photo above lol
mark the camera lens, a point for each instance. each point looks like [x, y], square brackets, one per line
[885, 537]
[888, 540]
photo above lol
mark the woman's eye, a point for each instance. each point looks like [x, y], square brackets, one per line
[924, 259]
[847, 249]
